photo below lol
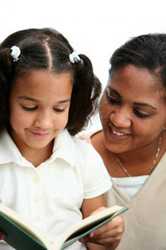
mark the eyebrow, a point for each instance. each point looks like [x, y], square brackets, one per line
[145, 105]
[27, 98]
[141, 104]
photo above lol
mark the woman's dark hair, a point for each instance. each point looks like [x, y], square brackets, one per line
[145, 51]
[48, 49]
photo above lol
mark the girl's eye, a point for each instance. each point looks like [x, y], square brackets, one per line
[59, 110]
[29, 108]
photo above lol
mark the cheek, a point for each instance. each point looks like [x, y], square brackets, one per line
[147, 129]
[18, 118]
[61, 120]
[104, 112]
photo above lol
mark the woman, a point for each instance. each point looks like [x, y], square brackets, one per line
[132, 142]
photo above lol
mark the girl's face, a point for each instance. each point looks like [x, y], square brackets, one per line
[132, 109]
[39, 107]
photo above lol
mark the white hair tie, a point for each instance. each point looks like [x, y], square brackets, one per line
[15, 52]
[74, 57]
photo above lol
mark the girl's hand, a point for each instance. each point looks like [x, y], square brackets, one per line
[108, 235]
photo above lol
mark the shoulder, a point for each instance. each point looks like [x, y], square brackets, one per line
[90, 167]
[89, 135]
[5, 140]
[74, 144]
[84, 145]
[84, 152]
[97, 140]
[7, 147]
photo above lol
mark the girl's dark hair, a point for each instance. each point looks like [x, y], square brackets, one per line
[145, 51]
[48, 49]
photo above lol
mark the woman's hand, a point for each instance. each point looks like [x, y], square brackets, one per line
[108, 235]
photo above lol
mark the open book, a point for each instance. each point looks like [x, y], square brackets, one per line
[20, 235]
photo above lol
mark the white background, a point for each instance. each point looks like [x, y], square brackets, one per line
[93, 27]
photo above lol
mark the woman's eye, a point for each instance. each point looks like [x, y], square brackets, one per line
[141, 114]
[112, 98]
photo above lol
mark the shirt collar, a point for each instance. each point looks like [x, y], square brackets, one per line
[8, 150]
[64, 148]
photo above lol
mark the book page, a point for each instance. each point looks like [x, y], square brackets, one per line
[91, 223]
[14, 218]
[71, 235]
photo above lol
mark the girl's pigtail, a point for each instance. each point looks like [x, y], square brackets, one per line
[86, 90]
[5, 80]
[6, 64]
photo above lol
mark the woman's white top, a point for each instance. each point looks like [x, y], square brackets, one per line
[130, 185]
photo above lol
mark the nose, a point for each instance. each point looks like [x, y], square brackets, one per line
[43, 120]
[120, 118]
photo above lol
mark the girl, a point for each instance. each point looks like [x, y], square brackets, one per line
[48, 93]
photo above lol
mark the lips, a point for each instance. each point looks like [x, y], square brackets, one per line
[40, 133]
[118, 133]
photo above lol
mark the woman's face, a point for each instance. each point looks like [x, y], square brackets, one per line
[132, 109]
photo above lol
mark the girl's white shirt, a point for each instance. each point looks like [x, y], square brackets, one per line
[50, 196]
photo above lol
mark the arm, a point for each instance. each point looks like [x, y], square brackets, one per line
[89, 206]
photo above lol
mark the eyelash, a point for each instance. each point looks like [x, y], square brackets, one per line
[29, 109]
[59, 110]
[140, 114]
[116, 101]
[112, 100]
[35, 108]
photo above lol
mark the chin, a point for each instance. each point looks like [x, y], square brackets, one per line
[115, 148]
[38, 145]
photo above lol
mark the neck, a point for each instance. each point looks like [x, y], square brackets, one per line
[137, 162]
[34, 155]
[138, 156]
[149, 156]
[37, 156]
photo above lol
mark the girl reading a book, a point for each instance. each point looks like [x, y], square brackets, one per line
[47, 94]
[132, 141]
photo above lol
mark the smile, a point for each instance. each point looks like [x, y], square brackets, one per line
[39, 133]
[118, 133]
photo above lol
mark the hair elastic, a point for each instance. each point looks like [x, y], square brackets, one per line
[15, 52]
[74, 57]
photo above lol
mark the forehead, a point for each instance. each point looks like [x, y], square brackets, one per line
[137, 82]
[40, 83]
